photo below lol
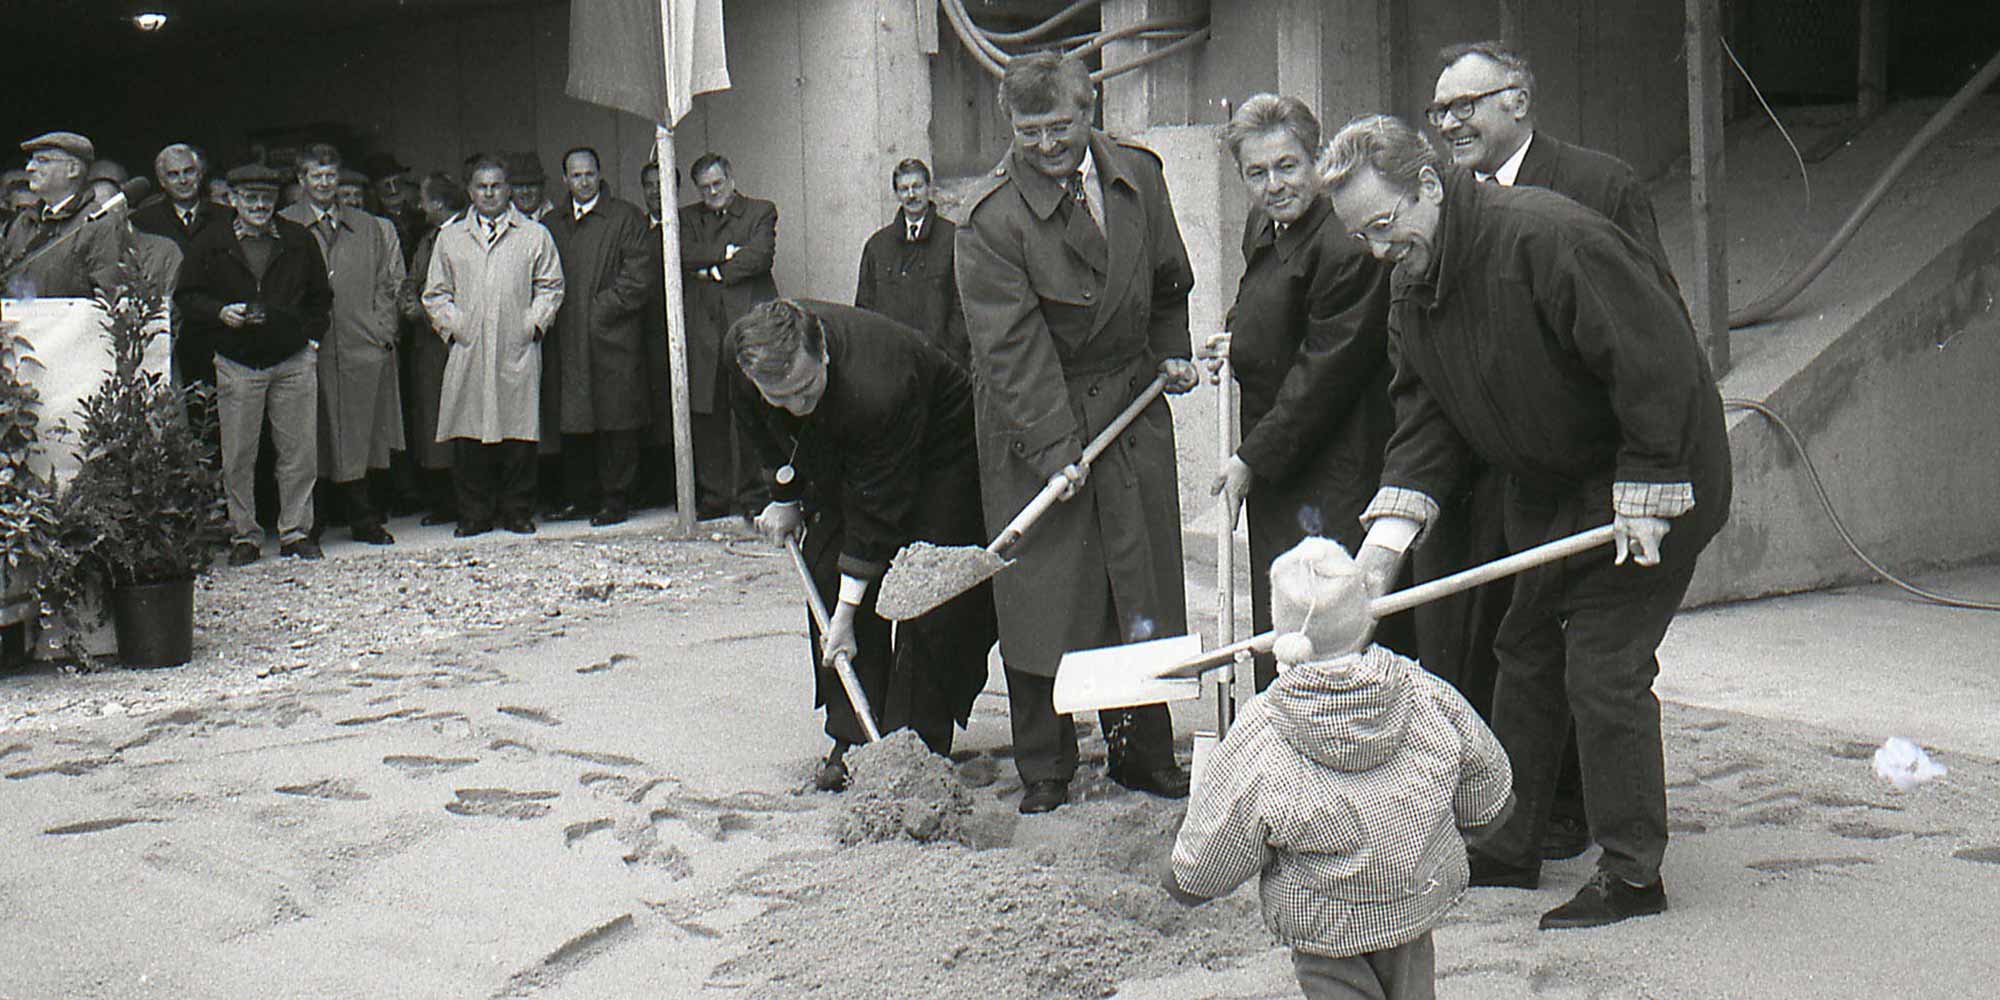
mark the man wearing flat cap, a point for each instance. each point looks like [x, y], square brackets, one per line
[256, 289]
[60, 249]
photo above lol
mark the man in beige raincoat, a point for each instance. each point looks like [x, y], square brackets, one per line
[361, 409]
[494, 287]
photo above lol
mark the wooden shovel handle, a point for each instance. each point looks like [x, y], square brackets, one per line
[1051, 494]
[856, 698]
[1423, 593]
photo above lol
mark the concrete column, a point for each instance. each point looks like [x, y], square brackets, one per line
[1163, 93]
[1336, 56]
[902, 93]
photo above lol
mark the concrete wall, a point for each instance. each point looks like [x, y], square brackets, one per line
[1899, 416]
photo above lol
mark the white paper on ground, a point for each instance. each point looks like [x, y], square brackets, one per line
[1904, 764]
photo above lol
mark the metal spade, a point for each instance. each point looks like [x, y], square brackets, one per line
[923, 576]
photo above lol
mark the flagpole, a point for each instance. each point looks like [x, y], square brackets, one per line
[670, 261]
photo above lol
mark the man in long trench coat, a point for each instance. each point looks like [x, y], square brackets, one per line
[361, 408]
[1075, 283]
[729, 241]
[494, 287]
[594, 374]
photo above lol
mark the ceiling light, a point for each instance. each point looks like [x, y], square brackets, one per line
[149, 21]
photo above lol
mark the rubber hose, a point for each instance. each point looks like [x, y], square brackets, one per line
[1044, 28]
[1768, 306]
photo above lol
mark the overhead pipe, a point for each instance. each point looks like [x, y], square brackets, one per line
[1768, 306]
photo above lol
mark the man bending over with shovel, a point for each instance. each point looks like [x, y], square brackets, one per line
[1074, 282]
[869, 431]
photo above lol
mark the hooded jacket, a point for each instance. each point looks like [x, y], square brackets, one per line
[1345, 785]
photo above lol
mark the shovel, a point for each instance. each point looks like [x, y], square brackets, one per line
[856, 698]
[923, 576]
[1163, 670]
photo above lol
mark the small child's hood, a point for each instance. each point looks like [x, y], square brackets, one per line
[1348, 712]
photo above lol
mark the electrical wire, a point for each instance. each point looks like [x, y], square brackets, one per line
[986, 52]
[1826, 504]
[1044, 28]
[1805, 213]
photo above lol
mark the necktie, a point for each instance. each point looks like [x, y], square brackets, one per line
[1080, 194]
[915, 228]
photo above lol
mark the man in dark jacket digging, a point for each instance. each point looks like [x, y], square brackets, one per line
[1542, 339]
[256, 287]
[869, 429]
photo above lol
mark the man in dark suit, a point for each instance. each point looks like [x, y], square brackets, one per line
[906, 266]
[728, 243]
[182, 212]
[875, 428]
[1075, 284]
[1483, 108]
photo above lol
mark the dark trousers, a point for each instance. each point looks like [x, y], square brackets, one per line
[1578, 644]
[1455, 635]
[726, 478]
[910, 705]
[1406, 972]
[599, 469]
[1136, 739]
[494, 482]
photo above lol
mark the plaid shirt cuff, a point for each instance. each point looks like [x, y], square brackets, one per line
[1667, 500]
[1396, 501]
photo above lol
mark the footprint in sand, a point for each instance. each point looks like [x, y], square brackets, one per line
[67, 768]
[534, 715]
[577, 831]
[604, 759]
[1792, 866]
[94, 826]
[501, 802]
[419, 765]
[336, 789]
[618, 787]
[13, 748]
[1982, 855]
[366, 720]
[603, 665]
[513, 750]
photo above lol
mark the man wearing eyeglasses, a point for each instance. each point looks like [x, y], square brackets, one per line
[1534, 336]
[1074, 282]
[1483, 108]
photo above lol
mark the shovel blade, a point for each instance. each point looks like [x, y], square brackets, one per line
[1123, 676]
[923, 576]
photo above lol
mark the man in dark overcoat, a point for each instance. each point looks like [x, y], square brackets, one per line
[1075, 285]
[1484, 109]
[65, 247]
[1535, 335]
[728, 244]
[594, 364]
[869, 432]
[906, 266]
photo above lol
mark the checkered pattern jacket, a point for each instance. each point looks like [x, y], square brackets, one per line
[1345, 785]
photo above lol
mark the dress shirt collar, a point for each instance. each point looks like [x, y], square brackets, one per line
[63, 209]
[246, 231]
[578, 211]
[1510, 169]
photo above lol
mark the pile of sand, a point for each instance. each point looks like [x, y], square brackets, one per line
[923, 576]
[899, 790]
[1064, 905]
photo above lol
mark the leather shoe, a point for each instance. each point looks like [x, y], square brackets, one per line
[608, 516]
[373, 534]
[1168, 782]
[1491, 872]
[1565, 838]
[568, 512]
[437, 517]
[1607, 899]
[1043, 796]
[467, 529]
[243, 554]
[519, 525]
[304, 548]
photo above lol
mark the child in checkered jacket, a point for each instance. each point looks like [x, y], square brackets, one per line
[1345, 786]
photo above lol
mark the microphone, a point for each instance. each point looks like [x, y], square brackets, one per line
[129, 192]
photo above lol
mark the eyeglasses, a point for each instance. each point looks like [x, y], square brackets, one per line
[1377, 230]
[1033, 135]
[1462, 108]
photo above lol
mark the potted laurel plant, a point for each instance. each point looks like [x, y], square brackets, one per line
[143, 515]
[27, 499]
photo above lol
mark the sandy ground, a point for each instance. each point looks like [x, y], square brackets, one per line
[575, 766]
